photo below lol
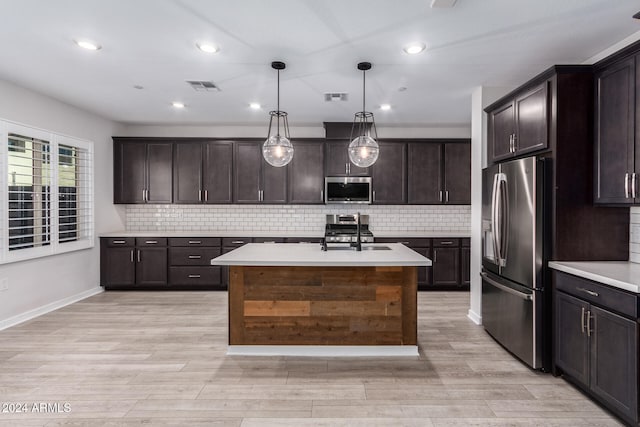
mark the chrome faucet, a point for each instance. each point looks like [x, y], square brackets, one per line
[358, 243]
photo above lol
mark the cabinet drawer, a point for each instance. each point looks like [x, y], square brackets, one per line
[151, 241]
[412, 242]
[268, 240]
[304, 239]
[194, 241]
[194, 275]
[598, 294]
[192, 256]
[235, 241]
[114, 242]
[444, 243]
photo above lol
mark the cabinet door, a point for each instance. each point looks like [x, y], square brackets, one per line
[274, 183]
[187, 172]
[217, 175]
[614, 360]
[151, 266]
[338, 163]
[532, 120]
[424, 273]
[457, 173]
[306, 173]
[615, 115]
[118, 267]
[465, 259]
[159, 172]
[129, 172]
[389, 174]
[572, 344]
[424, 173]
[446, 267]
[501, 128]
[247, 170]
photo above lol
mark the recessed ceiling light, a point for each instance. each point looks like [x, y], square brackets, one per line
[139, 87]
[255, 106]
[385, 107]
[208, 47]
[85, 44]
[177, 104]
[414, 48]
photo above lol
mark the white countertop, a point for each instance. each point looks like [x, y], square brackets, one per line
[618, 274]
[232, 233]
[297, 255]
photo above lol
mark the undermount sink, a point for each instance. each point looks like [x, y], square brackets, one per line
[364, 248]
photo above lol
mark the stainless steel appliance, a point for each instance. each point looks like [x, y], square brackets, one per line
[347, 189]
[514, 298]
[344, 229]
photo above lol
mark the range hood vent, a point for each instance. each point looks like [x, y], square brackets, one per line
[203, 86]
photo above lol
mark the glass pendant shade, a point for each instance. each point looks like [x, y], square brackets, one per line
[363, 148]
[277, 149]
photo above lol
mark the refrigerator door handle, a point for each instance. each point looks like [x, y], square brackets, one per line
[524, 296]
[494, 220]
[504, 220]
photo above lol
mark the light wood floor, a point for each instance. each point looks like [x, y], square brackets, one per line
[159, 359]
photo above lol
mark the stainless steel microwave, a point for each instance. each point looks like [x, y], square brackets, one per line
[347, 189]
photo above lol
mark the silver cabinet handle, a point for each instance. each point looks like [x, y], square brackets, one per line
[195, 256]
[435, 256]
[440, 196]
[448, 242]
[138, 255]
[589, 323]
[374, 195]
[446, 196]
[118, 242]
[349, 168]
[582, 320]
[592, 293]
[131, 255]
[144, 197]
[404, 243]
[238, 242]
[195, 242]
[633, 185]
[322, 195]
[206, 195]
[626, 185]
[194, 276]
[199, 195]
[511, 143]
[515, 141]
[151, 242]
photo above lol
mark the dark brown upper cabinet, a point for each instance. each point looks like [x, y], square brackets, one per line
[202, 172]
[142, 171]
[256, 181]
[306, 173]
[439, 172]
[520, 125]
[337, 161]
[616, 151]
[389, 174]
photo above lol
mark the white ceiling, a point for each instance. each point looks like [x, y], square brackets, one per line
[152, 43]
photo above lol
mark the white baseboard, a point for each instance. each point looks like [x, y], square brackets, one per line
[324, 350]
[475, 317]
[32, 314]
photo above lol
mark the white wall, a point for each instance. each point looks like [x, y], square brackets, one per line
[42, 284]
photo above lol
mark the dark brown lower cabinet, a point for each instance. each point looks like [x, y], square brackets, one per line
[151, 266]
[596, 342]
[132, 262]
[189, 263]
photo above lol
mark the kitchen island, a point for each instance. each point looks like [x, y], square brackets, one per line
[295, 299]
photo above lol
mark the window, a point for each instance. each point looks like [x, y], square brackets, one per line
[48, 193]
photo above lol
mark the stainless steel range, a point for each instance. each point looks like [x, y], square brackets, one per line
[344, 229]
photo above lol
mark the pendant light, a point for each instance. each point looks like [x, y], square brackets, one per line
[277, 149]
[363, 149]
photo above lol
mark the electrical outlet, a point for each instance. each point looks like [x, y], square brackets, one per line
[4, 284]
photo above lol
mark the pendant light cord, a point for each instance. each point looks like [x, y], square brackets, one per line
[278, 105]
[363, 88]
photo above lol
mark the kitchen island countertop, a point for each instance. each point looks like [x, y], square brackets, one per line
[295, 255]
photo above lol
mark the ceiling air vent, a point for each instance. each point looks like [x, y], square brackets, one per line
[336, 96]
[203, 86]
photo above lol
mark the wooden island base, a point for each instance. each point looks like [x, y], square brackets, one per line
[341, 306]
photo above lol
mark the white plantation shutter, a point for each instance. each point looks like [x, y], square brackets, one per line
[47, 192]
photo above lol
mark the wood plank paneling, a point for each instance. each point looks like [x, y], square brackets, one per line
[323, 305]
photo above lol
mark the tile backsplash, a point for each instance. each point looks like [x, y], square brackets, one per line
[634, 235]
[291, 218]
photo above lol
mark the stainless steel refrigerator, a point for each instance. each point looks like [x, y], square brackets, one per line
[514, 292]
